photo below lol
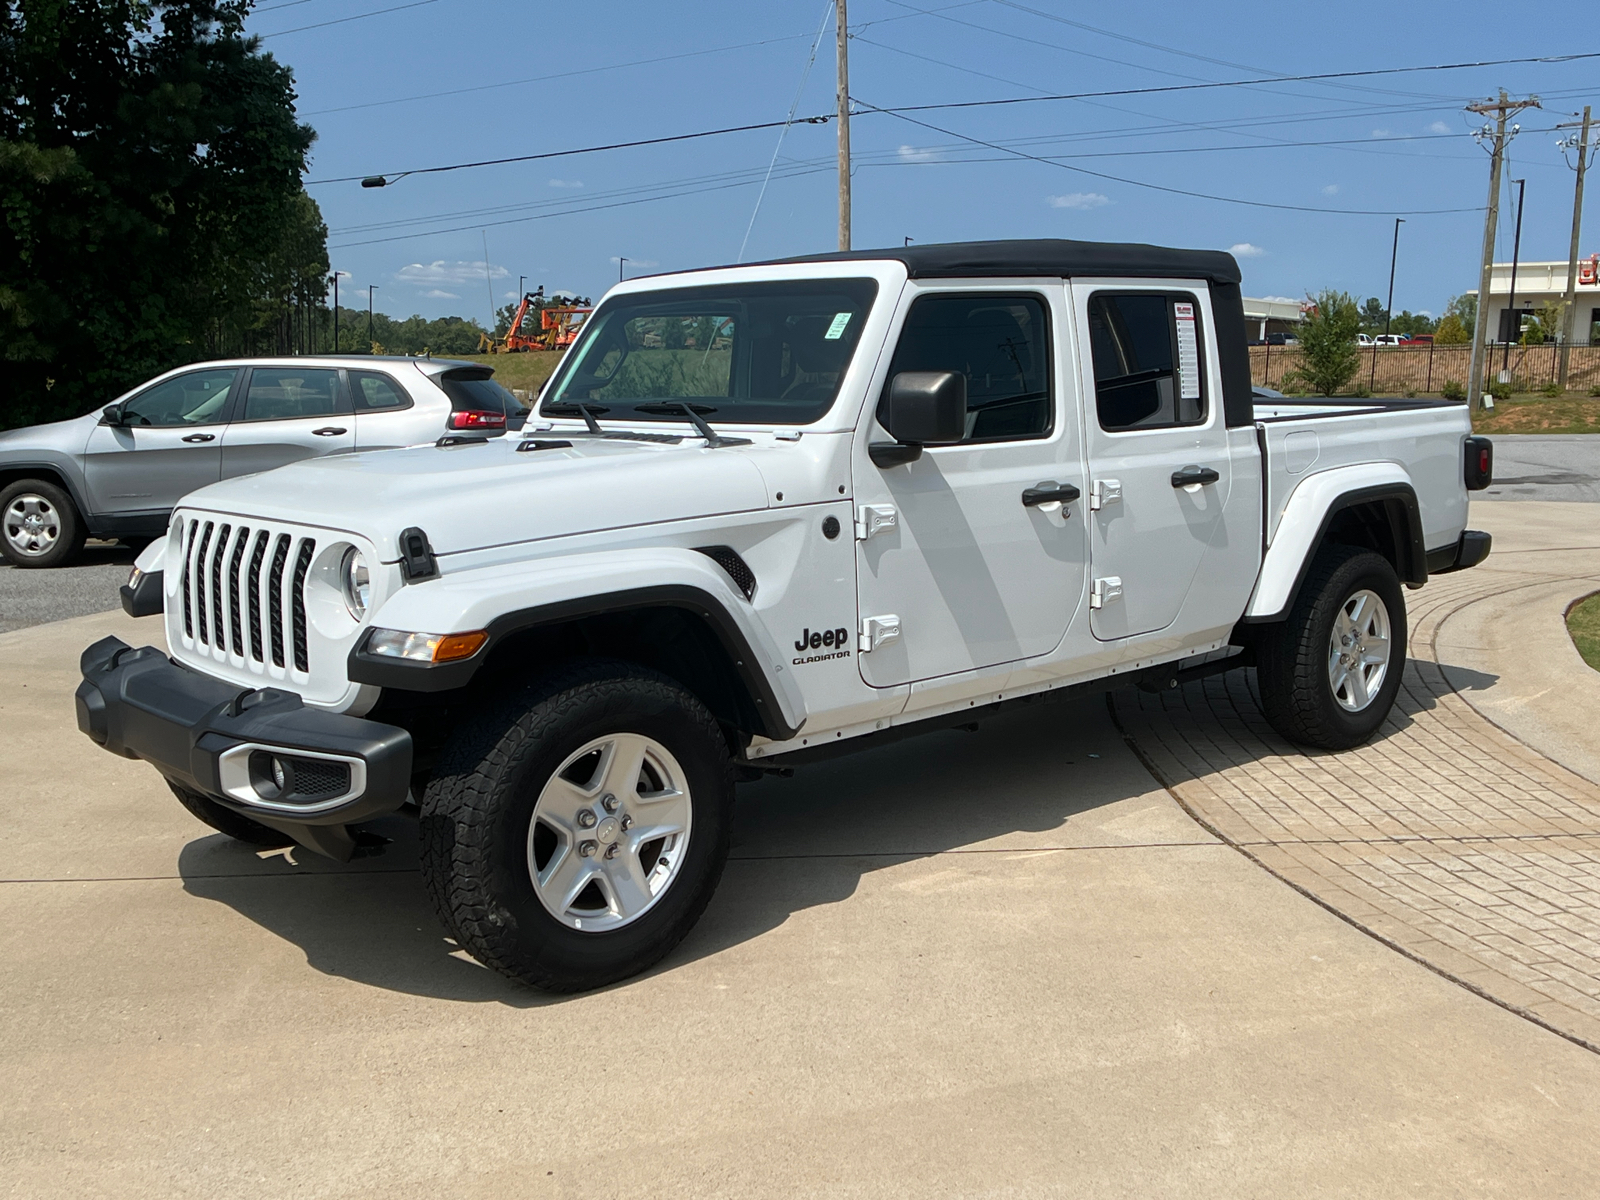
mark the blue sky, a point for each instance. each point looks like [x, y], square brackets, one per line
[437, 82]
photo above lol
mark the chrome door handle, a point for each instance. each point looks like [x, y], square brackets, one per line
[329, 431]
[201, 437]
[1190, 476]
[1046, 492]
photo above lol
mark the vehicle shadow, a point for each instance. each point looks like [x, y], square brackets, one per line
[1032, 778]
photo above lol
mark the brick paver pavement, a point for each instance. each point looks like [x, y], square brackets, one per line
[1445, 837]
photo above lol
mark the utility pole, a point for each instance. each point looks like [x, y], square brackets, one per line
[336, 275]
[371, 287]
[844, 124]
[1511, 300]
[1570, 312]
[1502, 109]
[1394, 254]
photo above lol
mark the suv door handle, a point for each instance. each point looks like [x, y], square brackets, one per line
[1193, 475]
[335, 431]
[201, 437]
[1046, 492]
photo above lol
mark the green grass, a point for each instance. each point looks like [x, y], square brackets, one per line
[525, 371]
[1568, 414]
[1583, 622]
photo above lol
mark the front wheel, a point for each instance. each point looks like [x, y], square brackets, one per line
[574, 834]
[39, 524]
[1330, 672]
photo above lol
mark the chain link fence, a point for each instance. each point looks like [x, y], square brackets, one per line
[1396, 370]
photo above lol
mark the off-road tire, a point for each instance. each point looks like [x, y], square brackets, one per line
[479, 804]
[69, 539]
[225, 820]
[1297, 695]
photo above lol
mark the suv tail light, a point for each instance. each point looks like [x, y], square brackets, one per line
[476, 418]
[1479, 466]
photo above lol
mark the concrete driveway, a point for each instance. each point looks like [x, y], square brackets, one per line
[1002, 963]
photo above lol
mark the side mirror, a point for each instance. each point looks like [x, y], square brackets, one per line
[923, 408]
[112, 415]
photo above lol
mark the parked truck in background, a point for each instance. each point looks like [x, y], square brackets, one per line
[763, 515]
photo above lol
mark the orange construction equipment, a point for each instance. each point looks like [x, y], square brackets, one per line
[558, 326]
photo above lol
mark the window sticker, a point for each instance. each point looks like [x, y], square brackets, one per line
[836, 330]
[1188, 353]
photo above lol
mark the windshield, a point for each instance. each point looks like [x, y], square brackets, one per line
[761, 353]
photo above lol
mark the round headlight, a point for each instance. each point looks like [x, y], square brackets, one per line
[357, 583]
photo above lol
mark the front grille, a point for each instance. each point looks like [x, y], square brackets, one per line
[229, 608]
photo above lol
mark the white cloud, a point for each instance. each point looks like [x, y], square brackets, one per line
[915, 154]
[1438, 127]
[1282, 299]
[440, 294]
[447, 273]
[1381, 133]
[637, 262]
[1331, 190]
[566, 183]
[1079, 200]
[509, 296]
[1245, 250]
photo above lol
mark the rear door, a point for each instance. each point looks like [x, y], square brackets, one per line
[170, 445]
[288, 413]
[1159, 472]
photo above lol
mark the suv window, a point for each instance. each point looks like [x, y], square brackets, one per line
[475, 391]
[284, 393]
[1000, 343]
[373, 391]
[1148, 370]
[194, 398]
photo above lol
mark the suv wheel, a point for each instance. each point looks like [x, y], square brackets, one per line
[39, 527]
[574, 835]
[1329, 674]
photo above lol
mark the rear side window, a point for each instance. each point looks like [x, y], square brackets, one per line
[373, 391]
[1148, 366]
[477, 392]
[284, 393]
[1000, 343]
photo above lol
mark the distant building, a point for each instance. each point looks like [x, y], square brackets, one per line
[1275, 315]
[1539, 283]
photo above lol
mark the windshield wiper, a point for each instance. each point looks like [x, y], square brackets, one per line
[577, 408]
[668, 408]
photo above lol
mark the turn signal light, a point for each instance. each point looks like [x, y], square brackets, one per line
[477, 418]
[425, 647]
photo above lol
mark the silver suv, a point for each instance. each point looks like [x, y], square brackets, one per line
[119, 472]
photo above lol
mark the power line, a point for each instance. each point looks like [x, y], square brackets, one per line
[342, 20]
[823, 118]
[1157, 187]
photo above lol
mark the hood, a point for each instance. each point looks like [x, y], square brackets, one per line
[477, 495]
[68, 435]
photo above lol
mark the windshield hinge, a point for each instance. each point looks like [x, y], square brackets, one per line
[417, 561]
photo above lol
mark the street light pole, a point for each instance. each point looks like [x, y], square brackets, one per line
[371, 287]
[621, 262]
[1511, 302]
[1388, 312]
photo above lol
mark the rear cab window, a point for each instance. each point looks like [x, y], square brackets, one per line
[1149, 359]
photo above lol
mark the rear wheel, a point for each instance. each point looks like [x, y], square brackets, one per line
[1329, 673]
[574, 834]
[39, 527]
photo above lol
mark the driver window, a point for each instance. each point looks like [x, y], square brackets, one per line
[194, 398]
[1001, 344]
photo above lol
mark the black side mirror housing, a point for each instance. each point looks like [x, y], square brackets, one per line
[923, 408]
[111, 415]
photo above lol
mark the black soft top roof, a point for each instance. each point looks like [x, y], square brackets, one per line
[1042, 256]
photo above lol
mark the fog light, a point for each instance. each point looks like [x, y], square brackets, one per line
[271, 776]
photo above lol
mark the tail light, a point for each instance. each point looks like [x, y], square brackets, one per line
[1479, 467]
[476, 418]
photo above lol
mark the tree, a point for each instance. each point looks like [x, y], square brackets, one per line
[151, 210]
[1409, 324]
[1329, 355]
[1451, 332]
[1372, 315]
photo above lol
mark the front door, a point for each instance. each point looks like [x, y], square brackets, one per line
[1158, 449]
[289, 413]
[957, 568]
[169, 444]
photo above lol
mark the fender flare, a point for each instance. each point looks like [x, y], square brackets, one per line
[60, 473]
[506, 601]
[1310, 510]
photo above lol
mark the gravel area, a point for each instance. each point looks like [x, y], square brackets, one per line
[37, 597]
[1545, 467]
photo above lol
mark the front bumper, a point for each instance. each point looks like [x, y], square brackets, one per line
[260, 752]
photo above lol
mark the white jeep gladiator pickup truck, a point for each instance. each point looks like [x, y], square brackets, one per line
[765, 514]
